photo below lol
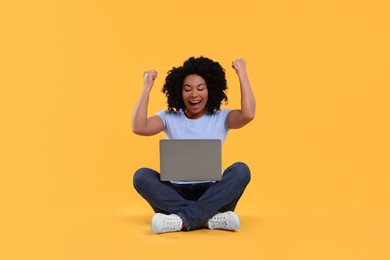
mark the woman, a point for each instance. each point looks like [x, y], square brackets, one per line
[194, 91]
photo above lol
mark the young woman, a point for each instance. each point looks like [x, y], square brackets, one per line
[194, 91]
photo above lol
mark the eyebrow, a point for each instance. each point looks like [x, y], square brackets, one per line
[189, 85]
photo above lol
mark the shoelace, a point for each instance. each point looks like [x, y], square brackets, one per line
[170, 223]
[220, 222]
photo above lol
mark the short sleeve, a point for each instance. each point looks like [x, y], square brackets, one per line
[163, 115]
[225, 113]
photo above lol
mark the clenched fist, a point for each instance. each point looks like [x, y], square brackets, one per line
[239, 66]
[149, 77]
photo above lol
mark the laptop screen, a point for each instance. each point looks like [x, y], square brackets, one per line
[190, 160]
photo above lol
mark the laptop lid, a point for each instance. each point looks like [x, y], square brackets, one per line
[190, 160]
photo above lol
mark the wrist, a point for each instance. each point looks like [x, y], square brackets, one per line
[242, 74]
[148, 87]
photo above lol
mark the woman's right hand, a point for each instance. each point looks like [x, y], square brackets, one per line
[149, 77]
[141, 123]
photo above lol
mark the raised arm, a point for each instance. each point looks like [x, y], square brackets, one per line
[141, 124]
[240, 117]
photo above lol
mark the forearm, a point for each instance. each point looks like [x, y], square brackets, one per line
[140, 113]
[248, 103]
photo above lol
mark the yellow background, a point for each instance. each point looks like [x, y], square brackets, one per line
[71, 73]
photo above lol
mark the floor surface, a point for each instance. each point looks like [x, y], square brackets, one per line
[123, 232]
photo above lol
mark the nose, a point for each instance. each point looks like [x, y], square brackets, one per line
[194, 93]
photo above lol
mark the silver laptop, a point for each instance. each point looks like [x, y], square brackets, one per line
[190, 160]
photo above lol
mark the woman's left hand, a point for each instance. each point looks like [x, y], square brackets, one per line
[239, 66]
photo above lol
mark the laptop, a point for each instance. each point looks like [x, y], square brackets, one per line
[190, 160]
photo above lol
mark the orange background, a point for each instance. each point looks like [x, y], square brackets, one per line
[71, 73]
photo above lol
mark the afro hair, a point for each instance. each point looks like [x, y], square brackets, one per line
[212, 72]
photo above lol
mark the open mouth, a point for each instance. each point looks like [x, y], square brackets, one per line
[194, 102]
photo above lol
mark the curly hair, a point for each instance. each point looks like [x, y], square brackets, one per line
[212, 72]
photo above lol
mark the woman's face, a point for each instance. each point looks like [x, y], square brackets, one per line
[195, 95]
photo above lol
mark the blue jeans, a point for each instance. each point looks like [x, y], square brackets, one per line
[195, 204]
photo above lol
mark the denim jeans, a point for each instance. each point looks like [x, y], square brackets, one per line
[194, 203]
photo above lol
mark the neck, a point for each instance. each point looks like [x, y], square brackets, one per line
[194, 116]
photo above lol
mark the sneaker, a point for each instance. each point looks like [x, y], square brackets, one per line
[162, 223]
[227, 221]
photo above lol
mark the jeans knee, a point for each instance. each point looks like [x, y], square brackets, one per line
[243, 172]
[139, 177]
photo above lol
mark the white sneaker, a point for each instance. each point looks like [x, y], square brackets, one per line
[227, 221]
[162, 223]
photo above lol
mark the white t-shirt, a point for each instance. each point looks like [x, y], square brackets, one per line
[209, 126]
